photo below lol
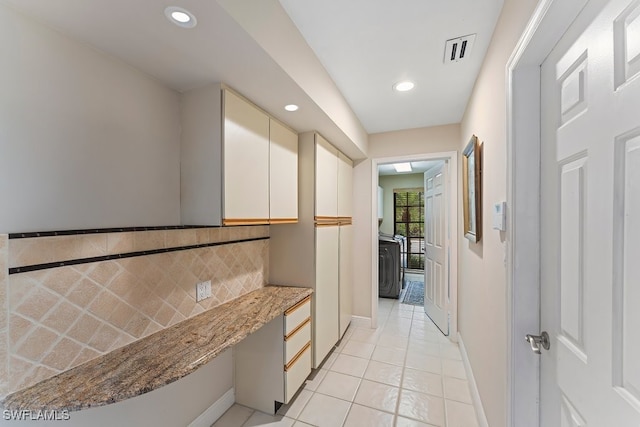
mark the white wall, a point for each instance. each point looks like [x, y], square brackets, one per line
[482, 272]
[85, 140]
[389, 183]
[388, 144]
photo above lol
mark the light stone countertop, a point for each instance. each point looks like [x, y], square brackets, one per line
[160, 358]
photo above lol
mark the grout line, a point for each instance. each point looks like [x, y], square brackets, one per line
[404, 368]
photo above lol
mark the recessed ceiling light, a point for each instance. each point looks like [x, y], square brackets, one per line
[291, 107]
[181, 17]
[403, 86]
[402, 167]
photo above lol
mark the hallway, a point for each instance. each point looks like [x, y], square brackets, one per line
[403, 374]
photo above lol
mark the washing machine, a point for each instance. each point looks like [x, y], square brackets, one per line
[389, 271]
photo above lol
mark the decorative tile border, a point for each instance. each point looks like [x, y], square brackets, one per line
[101, 231]
[85, 244]
[36, 267]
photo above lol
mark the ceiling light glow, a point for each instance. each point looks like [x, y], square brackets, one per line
[181, 17]
[403, 86]
[291, 107]
[402, 167]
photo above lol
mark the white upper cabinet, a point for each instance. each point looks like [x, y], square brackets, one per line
[246, 162]
[345, 186]
[237, 164]
[326, 179]
[283, 181]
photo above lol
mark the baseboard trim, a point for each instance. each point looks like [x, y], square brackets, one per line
[475, 394]
[215, 411]
[360, 322]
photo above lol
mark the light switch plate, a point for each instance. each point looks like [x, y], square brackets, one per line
[500, 216]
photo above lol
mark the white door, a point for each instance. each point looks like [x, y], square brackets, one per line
[436, 281]
[590, 220]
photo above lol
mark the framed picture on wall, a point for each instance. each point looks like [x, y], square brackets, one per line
[471, 190]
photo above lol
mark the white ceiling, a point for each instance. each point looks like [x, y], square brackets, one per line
[368, 45]
[253, 46]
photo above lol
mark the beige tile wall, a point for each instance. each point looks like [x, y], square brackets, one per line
[61, 317]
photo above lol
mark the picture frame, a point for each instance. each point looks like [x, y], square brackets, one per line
[472, 189]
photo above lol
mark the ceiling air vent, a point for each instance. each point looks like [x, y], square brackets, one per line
[458, 49]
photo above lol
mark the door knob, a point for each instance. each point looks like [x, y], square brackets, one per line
[537, 340]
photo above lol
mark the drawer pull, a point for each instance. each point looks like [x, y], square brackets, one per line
[300, 326]
[297, 306]
[245, 221]
[297, 356]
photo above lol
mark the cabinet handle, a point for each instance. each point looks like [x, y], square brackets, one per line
[283, 220]
[297, 356]
[327, 221]
[297, 305]
[245, 221]
[325, 218]
[300, 326]
[345, 220]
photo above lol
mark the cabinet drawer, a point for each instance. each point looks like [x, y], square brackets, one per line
[296, 315]
[296, 341]
[296, 373]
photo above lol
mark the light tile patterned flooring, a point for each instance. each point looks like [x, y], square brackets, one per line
[403, 374]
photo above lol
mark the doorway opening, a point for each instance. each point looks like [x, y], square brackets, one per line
[549, 22]
[398, 214]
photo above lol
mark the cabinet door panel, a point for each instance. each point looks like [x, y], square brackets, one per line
[326, 179]
[246, 161]
[283, 171]
[346, 277]
[325, 324]
[345, 186]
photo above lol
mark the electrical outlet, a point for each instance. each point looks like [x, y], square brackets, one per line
[203, 290]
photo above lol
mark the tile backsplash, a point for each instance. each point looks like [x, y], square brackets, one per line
[53, 319]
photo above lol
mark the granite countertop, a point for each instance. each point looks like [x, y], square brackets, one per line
[160, 358]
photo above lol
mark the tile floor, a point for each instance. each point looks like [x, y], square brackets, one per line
[403, 374]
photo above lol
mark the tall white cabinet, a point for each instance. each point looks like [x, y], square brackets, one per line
[316, 252]
[238, 165]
